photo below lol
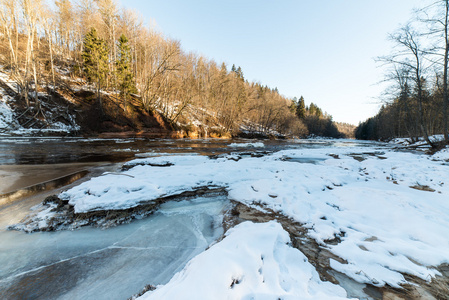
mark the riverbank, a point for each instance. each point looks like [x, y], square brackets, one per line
[17, 177]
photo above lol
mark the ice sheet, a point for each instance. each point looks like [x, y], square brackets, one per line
[108, 264]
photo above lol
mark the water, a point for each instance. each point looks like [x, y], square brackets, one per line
[33, 151]
[44, 151]
[27, 161]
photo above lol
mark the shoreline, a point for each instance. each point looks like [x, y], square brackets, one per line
[26, 176]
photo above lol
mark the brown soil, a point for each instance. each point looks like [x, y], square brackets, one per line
[109, 119]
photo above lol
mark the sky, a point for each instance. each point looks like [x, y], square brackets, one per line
[323, 50]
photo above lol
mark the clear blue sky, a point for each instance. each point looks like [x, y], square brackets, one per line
[323, 50]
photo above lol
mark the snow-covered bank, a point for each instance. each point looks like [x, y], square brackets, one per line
[379, 204]
[421, 145]
[254, 261]
[9, 124]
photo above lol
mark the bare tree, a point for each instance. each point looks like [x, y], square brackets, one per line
[48, 23]
[410, 55]
[436, 15]
[109, 14]
[31, 11]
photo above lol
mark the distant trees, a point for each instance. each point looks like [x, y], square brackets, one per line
[319, 123]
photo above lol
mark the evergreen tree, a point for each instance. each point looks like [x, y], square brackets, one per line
[95, 59]
[301, 108]
[314, 110]
[125, 76]
[223, 69]
[239, 73]
[293, 105]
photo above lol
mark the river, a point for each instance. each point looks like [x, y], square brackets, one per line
[114, 263]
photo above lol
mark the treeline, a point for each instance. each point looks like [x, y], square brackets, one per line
[418, 71]
[400, 118]
[46, 47]
[319, 123]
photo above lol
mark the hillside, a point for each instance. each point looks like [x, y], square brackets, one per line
[93, 68]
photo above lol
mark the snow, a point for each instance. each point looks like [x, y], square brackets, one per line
[10, 83]
[420, 142]
[247, 145]
[442, 155]
[9, 124]
[254, 261]
[389, 209]
[6, 113]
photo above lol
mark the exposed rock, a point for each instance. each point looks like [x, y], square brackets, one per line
[147, 288]
[128, 166]
[424, 188]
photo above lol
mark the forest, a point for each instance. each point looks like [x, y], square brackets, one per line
[57, 49]
[417, 69]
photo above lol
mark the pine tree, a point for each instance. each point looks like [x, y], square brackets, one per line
[95, 59]
[301, 108]
[125, 76]
[239, 73]
[314, 110]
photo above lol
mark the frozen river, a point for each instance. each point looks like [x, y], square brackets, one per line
[118, 262]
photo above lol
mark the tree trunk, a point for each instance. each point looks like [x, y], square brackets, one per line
[445, 75]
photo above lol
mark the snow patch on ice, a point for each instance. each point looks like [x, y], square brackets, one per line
[247, 145]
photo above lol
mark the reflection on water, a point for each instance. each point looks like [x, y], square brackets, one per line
[28, 151]
[26, 162]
